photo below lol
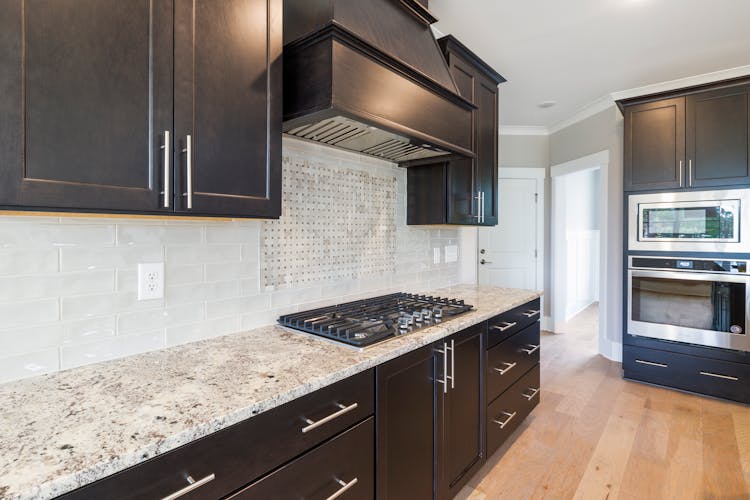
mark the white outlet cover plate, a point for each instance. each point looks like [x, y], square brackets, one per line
[436, 255]
[451, 253]
[151, 281]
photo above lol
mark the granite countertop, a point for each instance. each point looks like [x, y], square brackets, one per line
[61, 431]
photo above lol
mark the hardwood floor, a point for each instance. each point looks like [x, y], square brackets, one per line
[597, 436]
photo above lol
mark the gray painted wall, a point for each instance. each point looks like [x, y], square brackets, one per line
[531, 151]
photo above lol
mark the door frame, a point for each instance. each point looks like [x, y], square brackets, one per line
[597, 160]
[539, 174]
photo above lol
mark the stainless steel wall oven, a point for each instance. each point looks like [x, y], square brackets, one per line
[696, 301]
[691, 221]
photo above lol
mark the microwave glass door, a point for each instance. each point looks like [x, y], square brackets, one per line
[702, 305]
[706, 221]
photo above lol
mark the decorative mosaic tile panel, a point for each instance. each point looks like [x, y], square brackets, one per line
[337, 222]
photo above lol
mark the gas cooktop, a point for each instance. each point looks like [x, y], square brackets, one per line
[366, 322]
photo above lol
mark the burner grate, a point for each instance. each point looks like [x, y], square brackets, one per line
[366, 322]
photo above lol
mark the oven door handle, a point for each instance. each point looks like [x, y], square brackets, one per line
[690, 276]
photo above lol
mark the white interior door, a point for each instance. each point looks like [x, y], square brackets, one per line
[509, 254]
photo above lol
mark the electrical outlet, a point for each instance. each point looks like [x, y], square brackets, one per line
[151, 281]
[436, 255]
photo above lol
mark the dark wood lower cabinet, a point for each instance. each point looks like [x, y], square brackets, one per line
[406, 427]
[712, 377]
[460, 444]
[343, 465]
[506, 413]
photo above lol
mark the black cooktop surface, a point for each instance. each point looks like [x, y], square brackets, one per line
[366, 322]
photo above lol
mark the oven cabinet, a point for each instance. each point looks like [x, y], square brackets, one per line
[460, 190]
[430, 413]
[148, 110]
[713, 377]
[285, 439]
[512, 373]
[693, 139]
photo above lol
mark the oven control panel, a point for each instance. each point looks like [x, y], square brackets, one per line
[694, 265]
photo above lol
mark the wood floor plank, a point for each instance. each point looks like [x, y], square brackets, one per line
[592, 428]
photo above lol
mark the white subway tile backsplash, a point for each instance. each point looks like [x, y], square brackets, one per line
[184, 255]
[29, 364]
[203, 330]
[29, 261]
[159, 318]
[129, 235]
[87, 306]
[54, 285]
[68, 285]
[56, 235]
[77, 259]
[203, 291]
[17, 314]
[110, 348]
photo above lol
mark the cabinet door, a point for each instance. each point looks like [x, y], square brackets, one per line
[228, 103]
[655, 145]
[405, 426]
[460, 416]
[718, 139]
[86, 95]
[485, 147]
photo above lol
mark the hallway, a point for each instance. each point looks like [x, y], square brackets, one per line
[595, 435]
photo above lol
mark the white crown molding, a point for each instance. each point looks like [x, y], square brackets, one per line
[680, 83]
[523, 130]
[604, 102]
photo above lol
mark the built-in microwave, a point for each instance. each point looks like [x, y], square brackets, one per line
[690, 221]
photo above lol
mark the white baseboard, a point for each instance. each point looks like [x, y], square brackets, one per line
[546, 323]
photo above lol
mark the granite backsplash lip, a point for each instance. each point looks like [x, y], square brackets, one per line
[62, 431]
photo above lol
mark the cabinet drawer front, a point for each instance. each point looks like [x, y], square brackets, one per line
[712, 377]
[243, 452]
[344, 465]
[506, 324]
[506, 413]
[507, 361]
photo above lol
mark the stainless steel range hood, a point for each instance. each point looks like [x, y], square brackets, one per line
[369, 76]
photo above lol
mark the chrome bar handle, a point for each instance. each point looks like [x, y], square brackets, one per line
[534, 392]
[444, 352]
[716, 375]
[651, 363]
[507, 420]
[167, 147]
[314, 425]
[505, 326]
[478, 216]
[530, 313]
[344, 487]
[192, 485]
[682, 174]
[453, 364]
[484, 209]
[502, 371]
[189, 171]
[690, 173]
[534, 348]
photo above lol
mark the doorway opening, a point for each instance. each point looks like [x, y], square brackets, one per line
[578, 246]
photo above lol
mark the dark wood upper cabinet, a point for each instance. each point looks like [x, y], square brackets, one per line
[460, 414]
[693, 138]
[94, 89]
[227, 67]
[718, 137]
[655, 145]
[86, 97]
[468, 185]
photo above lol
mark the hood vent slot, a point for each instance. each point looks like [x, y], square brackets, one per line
[354, 136]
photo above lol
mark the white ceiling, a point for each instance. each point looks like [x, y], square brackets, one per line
[577, 51]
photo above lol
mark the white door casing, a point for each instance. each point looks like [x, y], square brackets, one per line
[514, 249]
